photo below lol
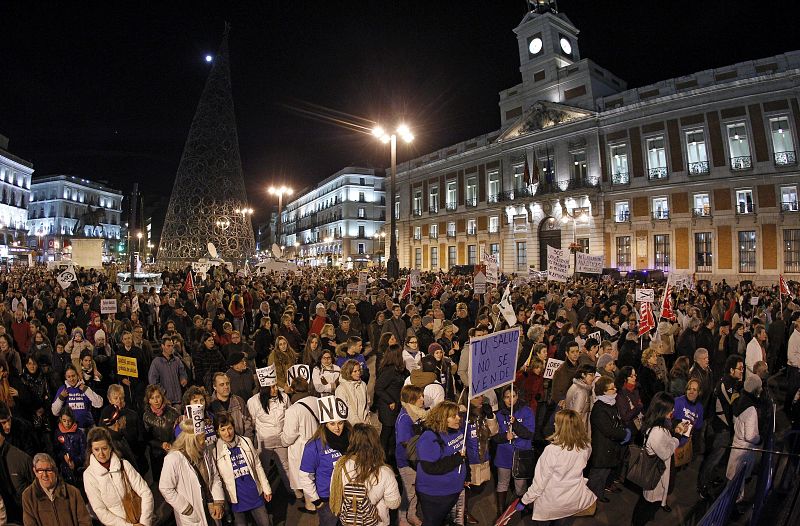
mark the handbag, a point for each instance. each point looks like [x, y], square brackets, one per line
[524, 463]
[683, 454]
[588, 512]
[644, 469]
[479, 473]
[131, 501]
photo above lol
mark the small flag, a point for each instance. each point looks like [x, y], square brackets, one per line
[784, 288]
[646, 320]
[437, 288]
[666, 306]
[506, 309]
[504, 519]
[188, 285]
[526, 172]
[535, 172]
[407, 289]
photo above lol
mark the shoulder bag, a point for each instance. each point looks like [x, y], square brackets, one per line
[644, 469]
[131, 501]
[524, 463]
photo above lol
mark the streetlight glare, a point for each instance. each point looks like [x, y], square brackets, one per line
[403, 129]
[209, 58]
[378, 132]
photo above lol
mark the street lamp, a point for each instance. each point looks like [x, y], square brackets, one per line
[380, 238]
[244, 211]
[393, 264]
[280, 192]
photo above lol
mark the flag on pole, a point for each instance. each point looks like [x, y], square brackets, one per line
[506, 309]
[647, 321]
[437, 288]
[407, 289]
[526, 172]
[188, 284]
[535, 171]
[667, 311]
[784, 288]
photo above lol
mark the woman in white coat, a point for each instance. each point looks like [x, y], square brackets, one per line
[189, 481]
[745, 430]
[268, 409]
[354, 392]
[364, 464]
[559, 489]
[242, 475]
[325, 375]
[107, 479]
[660, 440]
[300, 424]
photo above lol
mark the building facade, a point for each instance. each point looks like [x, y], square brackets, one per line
[339, 222]
[697, 173]
[65, 206]
[15, 184]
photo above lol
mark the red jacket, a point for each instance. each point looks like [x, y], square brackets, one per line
[22, 336]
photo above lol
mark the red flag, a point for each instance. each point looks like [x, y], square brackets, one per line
[188, 285]
[406, 289]
[666, 307]
[646, 320]
[503, 519]
[437, 288]
[784, 288]
[535, 171]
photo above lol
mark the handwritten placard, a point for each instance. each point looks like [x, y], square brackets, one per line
[551, 367]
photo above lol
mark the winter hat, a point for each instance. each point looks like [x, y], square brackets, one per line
[234, 358]
[421, 378]
[603, 361]
[426, 320]
[100, 333]
[434, 347]
[753, 383]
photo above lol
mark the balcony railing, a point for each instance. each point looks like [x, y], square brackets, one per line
[701, 212]
[623, 217]
[745, 208]
[522, 192]
[433, 209]
[660, 215]
[451, 233]
[417, 237]
[493, 198]
[433, 235]
[659, 172]
[789, 206]
[698, 168]
[494, 229]
[451, 207]
[417, 212]
[471, 202]
[620, 178]
[744, 162]
[785, 158]
[472, 231]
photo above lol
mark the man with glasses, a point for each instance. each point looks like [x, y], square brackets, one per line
[725, 394]
[50, 500]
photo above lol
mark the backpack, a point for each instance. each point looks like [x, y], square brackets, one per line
[411, 446]
[357, 509]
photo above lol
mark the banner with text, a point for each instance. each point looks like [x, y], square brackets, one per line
[588, 263]
[557, 264]
[551, 368]
[493, 360]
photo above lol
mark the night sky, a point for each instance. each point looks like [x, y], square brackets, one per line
[108, 92]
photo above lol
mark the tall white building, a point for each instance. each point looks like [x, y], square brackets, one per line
[66, 206]
[338, 222]
[15, 183]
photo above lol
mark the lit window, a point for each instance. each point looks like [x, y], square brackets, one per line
[494, 186]
[747, 251]
[660, 208]
[472, 254]
[656, 158]
[702, 205]
[472, 191]
[791, 250]
[621, 212]
[433, 231]
[521, 255]
[433, 199]
[578, 168]
[619, 164]
[434, 258]
[782, 142]
[744, 201]
[451, 255]
[451, 229]
[661, 245]
[494, 224]
[702, 251]
[452, 195]
[739, 146]
[789, 198]
[472, 227]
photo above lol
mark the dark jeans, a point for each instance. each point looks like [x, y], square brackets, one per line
[713, 456]
[259, 515]
[435, 508]
[598, 478]
[644, 511]
[387, 440]
[326, 517]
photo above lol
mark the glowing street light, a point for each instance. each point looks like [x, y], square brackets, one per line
[280, 191]
[209, 58]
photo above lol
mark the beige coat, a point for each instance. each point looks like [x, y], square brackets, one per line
[660, 442]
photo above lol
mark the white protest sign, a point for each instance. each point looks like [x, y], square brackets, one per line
[352, 287]
[362, 282]
[557, 264]
[298, 371]
[551, 367]
[108, 306]
[479, 283]
[596, 336]
[754, 301]
[492, 268]
[588, 264]
[493, 360]
[646, 295]
[266, 376]
[331, 409]
[66, 278]
[196, 413]
[415, 279]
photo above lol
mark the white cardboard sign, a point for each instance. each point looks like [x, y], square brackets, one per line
[551, 367]
[266, 376]
[646, 295]
[331, 409]
[108, 306]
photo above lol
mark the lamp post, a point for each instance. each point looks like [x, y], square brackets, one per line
[393, 264]
[280, 192]
[577, 214]
[380, 238]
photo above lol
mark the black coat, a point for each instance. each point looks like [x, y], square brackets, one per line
[608, 432]
[387, 391]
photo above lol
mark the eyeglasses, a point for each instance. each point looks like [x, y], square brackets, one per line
[412, 341]
[44, 471]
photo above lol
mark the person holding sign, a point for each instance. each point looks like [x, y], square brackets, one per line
[131, 369]
[78, 396]
[325, 376]
[268, 409]
[321, 452]
[283, 357]
[354, 392]
[517, 424]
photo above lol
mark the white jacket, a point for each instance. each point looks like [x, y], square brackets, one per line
[298, 426]
[793, 348]
[745, 434]
[661, 443]
[354, 395]
[106, 487]
[180, 488]
[579, 399]
[753, 355]
[222, 458]
[331, 375]
[384, 494]
[268, 425]
[414, 362]
[559, 489]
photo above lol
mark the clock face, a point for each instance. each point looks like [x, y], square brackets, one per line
[535, 46]
[566, 47]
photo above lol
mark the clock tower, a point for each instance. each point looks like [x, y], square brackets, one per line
[551, 65]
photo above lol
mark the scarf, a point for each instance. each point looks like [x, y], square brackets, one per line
[340, 442]
[608, 399]
[629, 387]
[72, 429]
[416, 413]
[158, 411]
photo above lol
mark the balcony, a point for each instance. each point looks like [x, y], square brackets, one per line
[433, 209]
[417, 237]
[699, 168]
[701, 212]
[623, 217]
[494, 198]
[417, 212]
[521, 192]
[744, 162]
[433, 235]
[785, 158]
[657, 173]
[472, 231]
[745, 209]
[620, 178]
[451, 234]
[451, 207]
[471, 202]
[660, 215]
[789, 206]
[494, 229]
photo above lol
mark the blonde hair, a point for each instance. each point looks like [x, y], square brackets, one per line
[570, 431]
[438, 415]
[647, 354]
[187, 442]
[328, 327]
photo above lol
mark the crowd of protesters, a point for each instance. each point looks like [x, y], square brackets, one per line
[94, 425]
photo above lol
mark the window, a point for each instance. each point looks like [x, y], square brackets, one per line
[789, 198]
[656, 158]
[791, 250]
[418, 202]
[397, 208]
[417, 232]
[472, 227]
[583, 244]
[520, 223]
[472, 191]
[621, 212]
[661, 244]
[361, 198]
[452, 195]
[702, 251]
[362, 248]
[782, 142]
[433, 231]
[739, 146]
[579, 172]
[660, 208]
[434, 258]
[519, 176]
[433, 200]
[494, 248]
[362, 212]
[522, 255]
[361, 233]
[702, 205]
[494, 224]
[451, 255]
[744, 201]
[472, 254]
[451, 229]
[418, 258]
[494, 186]
[619, 164]
[747, 251]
